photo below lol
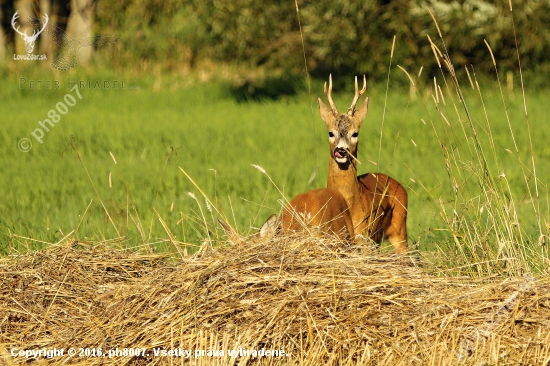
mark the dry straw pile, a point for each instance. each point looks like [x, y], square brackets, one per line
[308, 301]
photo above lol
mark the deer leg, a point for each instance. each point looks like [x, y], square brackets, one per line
[396, 232]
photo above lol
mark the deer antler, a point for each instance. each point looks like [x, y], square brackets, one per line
[34, 34]
[358, 94]
[13, 20]
[328, 94]
[46, 18]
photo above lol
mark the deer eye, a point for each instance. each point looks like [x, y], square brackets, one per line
[355, 134]
[330, 134]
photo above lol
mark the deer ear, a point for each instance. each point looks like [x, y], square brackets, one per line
[269, 227]
[232, 236]
[326, 112]
[361, 112]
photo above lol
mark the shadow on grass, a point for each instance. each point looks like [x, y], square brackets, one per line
[273, 88]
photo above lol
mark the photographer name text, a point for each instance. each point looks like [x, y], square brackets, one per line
[32, 84]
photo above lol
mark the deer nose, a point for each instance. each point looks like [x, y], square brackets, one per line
[340, 153]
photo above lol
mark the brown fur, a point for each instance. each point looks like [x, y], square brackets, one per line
[321, 209]
[377, 202]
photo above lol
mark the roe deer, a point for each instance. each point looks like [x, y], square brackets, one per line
[377, 202]
[324, 209]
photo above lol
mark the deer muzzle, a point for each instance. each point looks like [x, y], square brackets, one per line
[340, 154]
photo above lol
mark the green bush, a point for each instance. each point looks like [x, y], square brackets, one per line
[349, 36]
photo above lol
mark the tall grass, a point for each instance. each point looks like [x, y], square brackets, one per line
[493, 222]
[110, 167]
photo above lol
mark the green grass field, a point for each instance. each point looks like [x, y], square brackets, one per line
[70, 181]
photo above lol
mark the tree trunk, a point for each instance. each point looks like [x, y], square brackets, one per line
[80, 26]
[47, 46]
[2, 41]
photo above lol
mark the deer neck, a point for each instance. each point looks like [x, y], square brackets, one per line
[343, 178]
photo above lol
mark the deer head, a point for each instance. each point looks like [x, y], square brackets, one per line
[29, 41]
[343, 129]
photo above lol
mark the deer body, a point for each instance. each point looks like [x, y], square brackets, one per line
[325, 210]
[377, 202]
[388, 199]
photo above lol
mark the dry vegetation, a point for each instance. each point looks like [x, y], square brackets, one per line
[314, 301]
[319, 301]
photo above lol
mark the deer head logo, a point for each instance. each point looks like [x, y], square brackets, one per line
[29, 41]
